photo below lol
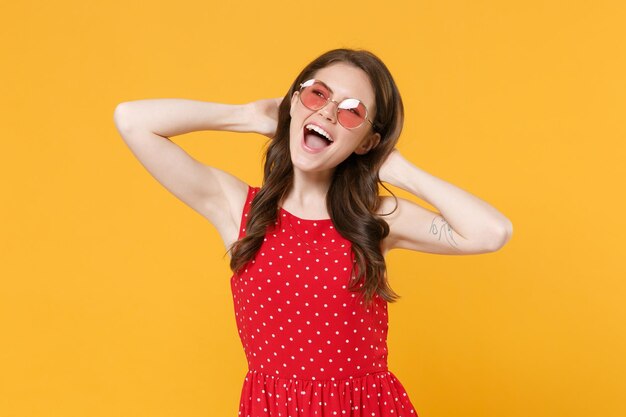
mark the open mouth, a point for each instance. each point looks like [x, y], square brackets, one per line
[315, 137]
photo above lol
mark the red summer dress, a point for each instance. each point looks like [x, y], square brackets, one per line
[313, 349]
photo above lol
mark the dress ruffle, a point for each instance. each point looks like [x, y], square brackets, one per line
[378, 394]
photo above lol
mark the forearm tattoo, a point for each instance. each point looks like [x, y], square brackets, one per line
[443, 229]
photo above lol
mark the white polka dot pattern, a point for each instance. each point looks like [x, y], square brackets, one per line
[313, 348]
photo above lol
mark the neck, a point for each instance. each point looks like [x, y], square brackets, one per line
[307, 196]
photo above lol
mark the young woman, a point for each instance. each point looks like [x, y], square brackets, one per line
[307, 247]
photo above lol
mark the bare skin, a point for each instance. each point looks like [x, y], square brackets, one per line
[464, 224]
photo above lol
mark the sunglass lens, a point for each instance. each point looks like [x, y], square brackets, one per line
[351, 113]
[315, 96]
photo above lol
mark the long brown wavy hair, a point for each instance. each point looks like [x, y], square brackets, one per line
[353, 197]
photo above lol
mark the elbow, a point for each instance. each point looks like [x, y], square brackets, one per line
[118, 112]
[498, 237]
[120, 118]
[501, 237]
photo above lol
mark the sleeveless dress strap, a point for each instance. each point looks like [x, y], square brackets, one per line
[246, 209]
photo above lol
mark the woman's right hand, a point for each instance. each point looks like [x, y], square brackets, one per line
[264, 116]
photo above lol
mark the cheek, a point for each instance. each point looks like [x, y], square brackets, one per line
[293, 132]
[298, 114]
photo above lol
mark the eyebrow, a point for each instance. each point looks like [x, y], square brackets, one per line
[332, 92]
[325, 85]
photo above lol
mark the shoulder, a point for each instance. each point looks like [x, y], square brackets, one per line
[242, 200]
[237, 197]
[244, 203]
[387, 204]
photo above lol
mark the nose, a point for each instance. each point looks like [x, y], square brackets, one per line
[329, 111]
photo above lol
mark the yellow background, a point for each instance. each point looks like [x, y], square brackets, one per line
[115, 298]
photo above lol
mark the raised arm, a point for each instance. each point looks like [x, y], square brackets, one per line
[464, 225]
[147, 125]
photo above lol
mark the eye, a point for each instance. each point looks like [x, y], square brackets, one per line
[356, 111]
[354, 106]
[319, 92]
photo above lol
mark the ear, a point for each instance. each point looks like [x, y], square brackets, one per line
[368, 143]
[294, 99]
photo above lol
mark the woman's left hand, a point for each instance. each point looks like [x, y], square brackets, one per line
[387, 170]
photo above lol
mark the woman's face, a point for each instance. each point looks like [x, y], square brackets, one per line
[345, 81]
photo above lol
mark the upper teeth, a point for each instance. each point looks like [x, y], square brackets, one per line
[320, 131]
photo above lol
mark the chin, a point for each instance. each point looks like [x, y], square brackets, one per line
[304, 167]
